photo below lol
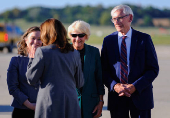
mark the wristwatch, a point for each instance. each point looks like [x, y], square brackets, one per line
[101, 101]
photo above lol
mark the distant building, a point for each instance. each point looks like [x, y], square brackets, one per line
[161, 22]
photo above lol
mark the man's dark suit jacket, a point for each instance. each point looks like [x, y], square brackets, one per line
[143, 68]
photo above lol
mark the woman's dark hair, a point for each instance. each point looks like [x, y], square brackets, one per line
[22, 46]
[53, 32]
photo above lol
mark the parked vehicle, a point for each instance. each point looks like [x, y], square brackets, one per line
[9, 36]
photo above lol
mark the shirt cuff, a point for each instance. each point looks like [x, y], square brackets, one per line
[112, 85]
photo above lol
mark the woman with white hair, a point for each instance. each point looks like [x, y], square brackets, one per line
[92, 92]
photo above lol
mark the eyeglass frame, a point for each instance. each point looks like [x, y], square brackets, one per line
[119, 18]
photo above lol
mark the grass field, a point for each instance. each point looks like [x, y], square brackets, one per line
[160, 36]
[157, 39]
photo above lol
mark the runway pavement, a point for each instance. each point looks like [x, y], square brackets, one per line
[161, 85]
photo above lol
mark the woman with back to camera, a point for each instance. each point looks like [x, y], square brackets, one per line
[58, 67]
[93, 90]
[24, 94]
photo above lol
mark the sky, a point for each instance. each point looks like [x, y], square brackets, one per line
[23, 4]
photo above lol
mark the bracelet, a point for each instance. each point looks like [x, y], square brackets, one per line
[101, 101]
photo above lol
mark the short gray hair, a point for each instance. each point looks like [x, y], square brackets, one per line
[79, 26]
[126, 9]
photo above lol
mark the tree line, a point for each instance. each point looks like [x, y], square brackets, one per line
[97, 15]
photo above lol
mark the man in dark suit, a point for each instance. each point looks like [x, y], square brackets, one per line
[130, 65]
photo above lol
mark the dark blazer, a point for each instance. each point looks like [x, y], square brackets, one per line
[143, 68]
[93, 86]
[17, 82]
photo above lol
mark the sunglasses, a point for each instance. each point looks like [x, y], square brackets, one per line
[79, 35]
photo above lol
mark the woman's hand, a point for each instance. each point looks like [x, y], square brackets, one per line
[33, 106]
[32, 52]
[98, 109]
[29, 105]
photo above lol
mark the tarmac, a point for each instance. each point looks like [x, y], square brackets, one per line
[161, 87]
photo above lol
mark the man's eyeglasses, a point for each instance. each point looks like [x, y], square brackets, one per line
[119, 19]
[79, 35]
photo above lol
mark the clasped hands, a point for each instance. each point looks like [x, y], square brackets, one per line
[124, 89]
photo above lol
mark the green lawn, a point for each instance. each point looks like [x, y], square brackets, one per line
[161, 40]
[157, 39]
[159, 36]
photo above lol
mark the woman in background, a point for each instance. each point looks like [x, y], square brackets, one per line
[24, 94]
[57, 65]
[93, 90]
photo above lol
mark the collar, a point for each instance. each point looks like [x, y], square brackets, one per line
[129, 34]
